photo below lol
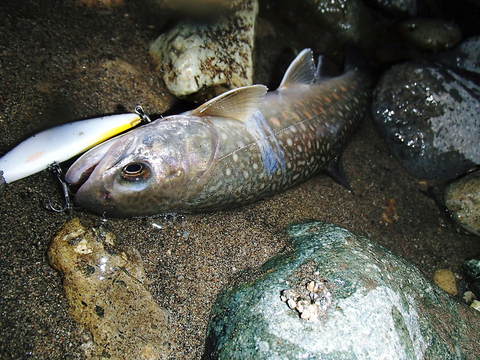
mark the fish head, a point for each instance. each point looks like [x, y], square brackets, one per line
[147, 171]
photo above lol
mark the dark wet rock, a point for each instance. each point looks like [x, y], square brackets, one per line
[465, 56]
[350, 20]
[396, 7]
[428, 115]
[208, 58]
[462, 199]
[471, 269]
[108, 295]
[320, 299]
[430, 34]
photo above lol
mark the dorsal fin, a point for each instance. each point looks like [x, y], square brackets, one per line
[300, 71]
[239, 103]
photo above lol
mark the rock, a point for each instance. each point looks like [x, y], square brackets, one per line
[475, 305]
[107, 293]
[446, 280]
[396, 7]
[468, 297]
[428, 115]
[430, 34]
[365, 303]
[471, 268]
[465, 56]
[350, 20]
[208, 58]
[462, 199]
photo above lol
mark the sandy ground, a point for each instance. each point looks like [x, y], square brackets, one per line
[60, 62]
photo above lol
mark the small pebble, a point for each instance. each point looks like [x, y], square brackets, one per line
[445, 279]
[312, 286]
[475, 304]
[468, 297]
[291, 304]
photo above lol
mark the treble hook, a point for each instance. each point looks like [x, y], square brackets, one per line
[145, 118]
[2, 182]
[67, 207]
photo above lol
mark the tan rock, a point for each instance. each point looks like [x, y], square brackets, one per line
[445, 279]
[107, 292]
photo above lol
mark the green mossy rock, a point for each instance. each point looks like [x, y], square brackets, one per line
[336, 295]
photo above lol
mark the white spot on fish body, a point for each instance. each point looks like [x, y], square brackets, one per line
[235, 157]
[246, 175]
[255, 166]
[228, 172]
[289, 142]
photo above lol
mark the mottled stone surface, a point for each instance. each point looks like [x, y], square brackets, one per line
[208, 57]
[462, 199]
[371, 305]
[430, 34]
[108, 295]
[428, 115]
[465, 56]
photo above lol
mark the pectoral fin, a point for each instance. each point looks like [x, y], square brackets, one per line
[237, 104]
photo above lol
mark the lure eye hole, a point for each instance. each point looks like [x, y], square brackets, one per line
[135, 171]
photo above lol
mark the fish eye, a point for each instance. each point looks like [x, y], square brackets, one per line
[135, 171]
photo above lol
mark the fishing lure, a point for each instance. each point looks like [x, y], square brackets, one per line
[61, 143]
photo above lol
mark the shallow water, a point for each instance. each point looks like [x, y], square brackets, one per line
[61, 62]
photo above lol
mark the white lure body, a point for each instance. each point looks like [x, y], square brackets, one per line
[61, 143]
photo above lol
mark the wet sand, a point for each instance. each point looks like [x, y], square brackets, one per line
[63, 62]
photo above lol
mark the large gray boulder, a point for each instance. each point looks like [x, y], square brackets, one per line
[336, 295]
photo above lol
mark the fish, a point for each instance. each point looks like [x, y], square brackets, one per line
[239, 147]
[61, 143]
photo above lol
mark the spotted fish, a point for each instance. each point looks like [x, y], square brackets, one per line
[243, 145]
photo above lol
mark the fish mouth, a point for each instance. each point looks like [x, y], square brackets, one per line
[81, 170]
[77, 181]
